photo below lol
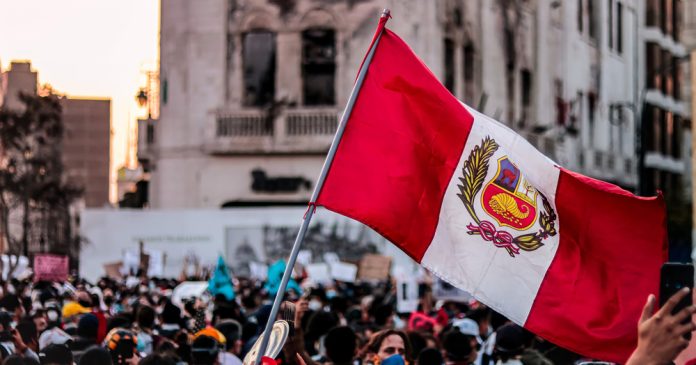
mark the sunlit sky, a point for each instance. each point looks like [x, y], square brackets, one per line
[87, 48]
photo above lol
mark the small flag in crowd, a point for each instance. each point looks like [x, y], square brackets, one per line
[568, 257]
[221, 281]
[275, 275]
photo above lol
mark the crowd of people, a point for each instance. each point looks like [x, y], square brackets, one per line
[109, 322]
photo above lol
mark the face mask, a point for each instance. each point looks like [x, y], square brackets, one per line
[108, 300]
[330, 294]
[315, 305]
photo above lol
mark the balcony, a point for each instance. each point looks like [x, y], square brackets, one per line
[255, 131]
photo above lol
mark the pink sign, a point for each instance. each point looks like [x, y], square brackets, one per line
[50, 267]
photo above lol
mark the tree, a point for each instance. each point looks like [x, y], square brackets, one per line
[35, 197]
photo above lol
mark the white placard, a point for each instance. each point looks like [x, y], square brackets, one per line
[331, 257]
[319, 273]
[304, 257]
[344, 271]
[406, 295]
[258, 270]
[187, 290]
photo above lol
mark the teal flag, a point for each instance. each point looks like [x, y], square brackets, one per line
[275, 275]
[221, 281]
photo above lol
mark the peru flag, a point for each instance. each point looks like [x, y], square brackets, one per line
[568, 257]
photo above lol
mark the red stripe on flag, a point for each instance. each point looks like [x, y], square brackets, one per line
[612, 245]
[400, 148]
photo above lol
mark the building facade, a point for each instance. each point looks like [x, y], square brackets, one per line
[252, 90]
[86, 140]
[86, 146]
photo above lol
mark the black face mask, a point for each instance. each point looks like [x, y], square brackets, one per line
[84, 303]
[108, 300]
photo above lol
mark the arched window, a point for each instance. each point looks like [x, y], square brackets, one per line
[259, 62]
[318, 66]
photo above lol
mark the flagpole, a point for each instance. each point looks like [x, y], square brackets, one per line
[317, 188]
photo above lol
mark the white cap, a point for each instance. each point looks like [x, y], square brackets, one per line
[468, 327]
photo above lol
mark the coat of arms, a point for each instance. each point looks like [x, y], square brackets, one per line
[508, 198]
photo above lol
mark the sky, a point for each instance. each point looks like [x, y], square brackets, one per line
[87, 48]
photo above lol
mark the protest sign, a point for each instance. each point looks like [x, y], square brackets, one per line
[444, 291]
[187, 290]
[50, 267]
[304, 257]
[258, 270]
[343, 271]
[113, 270]
[331, 257]
[406, 295]
[319, 273]
[374, 267]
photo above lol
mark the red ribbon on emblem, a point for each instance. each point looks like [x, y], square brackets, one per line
[499, 238]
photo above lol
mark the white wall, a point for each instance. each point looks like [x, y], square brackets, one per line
[205, 232]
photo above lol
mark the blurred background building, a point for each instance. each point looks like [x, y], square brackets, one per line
[249, 93]
[73, 168]
[250, 122]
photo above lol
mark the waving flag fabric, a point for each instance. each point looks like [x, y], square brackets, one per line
[568, 257]
[221, 281]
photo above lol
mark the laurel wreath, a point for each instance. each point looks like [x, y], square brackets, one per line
[474, 174]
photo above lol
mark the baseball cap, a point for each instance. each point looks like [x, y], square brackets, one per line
[468, 327]
[54, 336]
[212, 333]
[56, 354]
[73, 308]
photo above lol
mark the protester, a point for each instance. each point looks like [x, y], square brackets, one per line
[332, 324]
[387, 343]
[661, 335]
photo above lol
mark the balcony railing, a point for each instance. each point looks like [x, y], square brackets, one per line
[255, 131]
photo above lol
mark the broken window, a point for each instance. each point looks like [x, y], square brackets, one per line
[318, 66]
[259, 59]
[449, 65]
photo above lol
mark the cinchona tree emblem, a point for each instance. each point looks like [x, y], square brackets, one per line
[508, 198]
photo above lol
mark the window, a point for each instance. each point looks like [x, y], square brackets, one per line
[319, 66]
[676, 9]
[150, 134]
[561, 109]
[664, 70]
[592, 16]
[580, 15]
[525, 94]
[591, 114]
[469, 55]
[610, 28]
[449, 65]
[259, 60]
[652, 63]
[526, 77]
[619, 27]
[652, 13]
[676, 137]
[665, 16]
[676, 78]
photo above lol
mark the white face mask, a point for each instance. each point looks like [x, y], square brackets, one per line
[315, 305]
